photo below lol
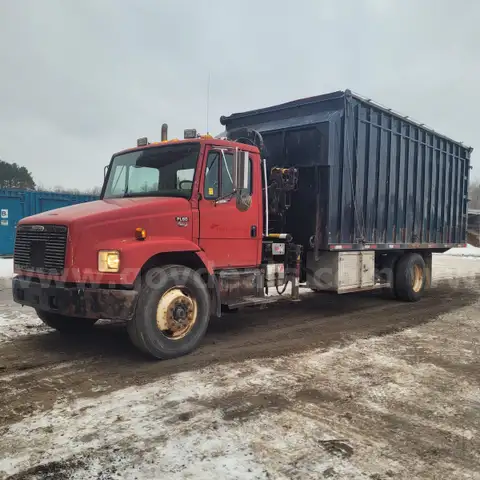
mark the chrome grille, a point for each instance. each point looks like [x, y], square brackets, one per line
[40, 248]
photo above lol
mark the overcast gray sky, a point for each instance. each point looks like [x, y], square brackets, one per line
[80, 80]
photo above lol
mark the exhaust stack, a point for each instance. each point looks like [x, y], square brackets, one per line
[164, 132]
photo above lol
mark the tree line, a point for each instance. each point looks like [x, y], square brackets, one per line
[71, 191]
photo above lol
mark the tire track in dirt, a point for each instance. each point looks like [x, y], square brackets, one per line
[38, 370]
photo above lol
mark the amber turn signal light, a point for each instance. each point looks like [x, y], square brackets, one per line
[140, 233]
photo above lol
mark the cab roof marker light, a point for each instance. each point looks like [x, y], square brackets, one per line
[189, 133]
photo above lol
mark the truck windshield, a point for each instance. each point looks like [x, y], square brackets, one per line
[166, 171]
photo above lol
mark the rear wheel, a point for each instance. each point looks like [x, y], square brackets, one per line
[65, 324]
[172, 313]
[410, 277]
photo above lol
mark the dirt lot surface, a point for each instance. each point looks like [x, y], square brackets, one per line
[341, 387]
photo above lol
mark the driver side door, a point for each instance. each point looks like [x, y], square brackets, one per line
[229, 237]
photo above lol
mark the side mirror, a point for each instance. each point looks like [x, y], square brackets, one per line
[241, 170]
[105, 170]
[243, 201]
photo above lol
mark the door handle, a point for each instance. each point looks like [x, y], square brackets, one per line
[253, 231]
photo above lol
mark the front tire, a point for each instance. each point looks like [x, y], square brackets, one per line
[410, 277]
[172, 313]
[66, 324]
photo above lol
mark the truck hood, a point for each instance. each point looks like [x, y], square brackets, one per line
[105, 211]
[110, 225]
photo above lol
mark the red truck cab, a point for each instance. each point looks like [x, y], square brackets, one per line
[171, 203]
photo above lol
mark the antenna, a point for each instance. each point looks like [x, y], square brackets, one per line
[208, 99]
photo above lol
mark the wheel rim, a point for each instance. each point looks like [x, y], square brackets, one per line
[417, 278]
[176, 313]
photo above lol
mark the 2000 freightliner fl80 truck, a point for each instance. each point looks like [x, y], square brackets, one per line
[334, 191]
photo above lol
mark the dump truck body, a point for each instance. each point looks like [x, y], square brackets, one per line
[368, 177]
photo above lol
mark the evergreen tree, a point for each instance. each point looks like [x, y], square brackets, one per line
[15, 176]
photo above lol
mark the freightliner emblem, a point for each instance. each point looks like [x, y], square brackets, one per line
[181, 221]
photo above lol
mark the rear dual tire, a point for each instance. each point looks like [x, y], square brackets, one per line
[409, 278]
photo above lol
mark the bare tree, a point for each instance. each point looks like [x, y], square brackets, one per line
[474, 195]
[94, 191]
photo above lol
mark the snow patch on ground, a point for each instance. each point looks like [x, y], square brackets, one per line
[170, 429]
[469, 251]
[455, 269]
[15, 324]
[6, 267]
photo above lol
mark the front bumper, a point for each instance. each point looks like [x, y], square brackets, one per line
[75, 300]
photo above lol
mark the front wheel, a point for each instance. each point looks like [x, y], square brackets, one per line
[172, 313]
[410, 277]
[65, 324]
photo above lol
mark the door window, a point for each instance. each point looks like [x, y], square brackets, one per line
[219, 174]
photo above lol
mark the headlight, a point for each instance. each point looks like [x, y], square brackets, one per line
[108, 261]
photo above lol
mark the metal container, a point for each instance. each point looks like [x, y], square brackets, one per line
[368, 177]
